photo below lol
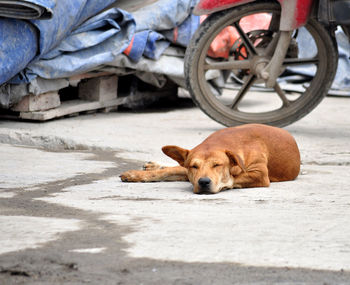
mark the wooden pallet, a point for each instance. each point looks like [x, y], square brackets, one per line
[75, 107]
[97, 92]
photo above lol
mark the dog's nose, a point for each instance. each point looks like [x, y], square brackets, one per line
[204, 182]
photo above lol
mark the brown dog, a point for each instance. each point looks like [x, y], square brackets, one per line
[246, 156]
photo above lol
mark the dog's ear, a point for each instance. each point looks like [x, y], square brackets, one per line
[177, 153]
[235, 159]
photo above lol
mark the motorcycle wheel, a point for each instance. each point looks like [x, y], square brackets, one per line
[228, 91]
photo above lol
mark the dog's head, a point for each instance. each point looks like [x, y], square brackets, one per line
[208, 171]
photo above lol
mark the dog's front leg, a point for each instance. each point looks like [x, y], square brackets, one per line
[256, 175]
[176, 173]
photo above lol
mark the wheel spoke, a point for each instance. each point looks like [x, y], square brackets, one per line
[248, 44]
[245, 87]
[234, 64]
[282, 95]
[272, 45]
[275, 22]
[300, 61]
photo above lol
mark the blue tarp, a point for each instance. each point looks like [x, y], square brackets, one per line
[40, 36]
[83, 35]
[94, 42]
[18, 46]
[27, 9]
[75, 40]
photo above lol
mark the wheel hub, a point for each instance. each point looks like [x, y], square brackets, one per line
[258, 63]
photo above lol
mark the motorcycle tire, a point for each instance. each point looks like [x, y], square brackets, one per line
[207, 96]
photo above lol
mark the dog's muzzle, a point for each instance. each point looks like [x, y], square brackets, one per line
[204, 184]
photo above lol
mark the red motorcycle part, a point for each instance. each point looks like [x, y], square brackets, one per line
[223, 42]
[294, 13]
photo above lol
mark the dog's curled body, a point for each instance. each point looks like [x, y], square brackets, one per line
[254, 143]
[238, 157]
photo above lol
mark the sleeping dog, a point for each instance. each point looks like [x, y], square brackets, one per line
[251, 155]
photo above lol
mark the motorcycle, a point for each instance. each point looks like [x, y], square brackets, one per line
[269, 62]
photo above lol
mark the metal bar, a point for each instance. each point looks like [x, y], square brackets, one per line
[235, 64]
[245, 87]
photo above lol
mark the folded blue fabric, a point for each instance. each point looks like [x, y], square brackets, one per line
[80, 38]
[27, 9]
[18, 46]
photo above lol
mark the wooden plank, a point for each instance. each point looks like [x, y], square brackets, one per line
[99, 89]
[40, 102]
[69, 107]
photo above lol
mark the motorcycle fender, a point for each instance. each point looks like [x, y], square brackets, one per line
[294, 13]
[205, 7]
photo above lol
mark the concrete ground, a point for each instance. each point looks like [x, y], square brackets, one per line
[66, 218]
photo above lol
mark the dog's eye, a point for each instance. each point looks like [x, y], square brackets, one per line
[194, 166]
[216, 165]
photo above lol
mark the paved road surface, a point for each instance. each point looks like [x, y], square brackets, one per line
[66, 218]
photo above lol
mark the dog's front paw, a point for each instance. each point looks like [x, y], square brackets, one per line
[130, 176]
[151, 166]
